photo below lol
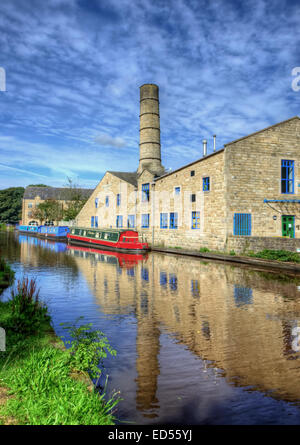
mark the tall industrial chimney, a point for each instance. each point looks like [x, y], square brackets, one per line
[150, 156]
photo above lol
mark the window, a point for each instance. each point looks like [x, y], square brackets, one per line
[195, 220]
[30, 205]
[177, 191]
[163, 279]
[118, 199]
[173, 220]
[119, 222]
[193, 197]
[206, 185]
[163, 220]
[96, 203]
[145, 274]
[107, 201]
[145, 192]
[195, 288]
[92, 221]
[287, 176]
[242, 224]
[192, 172]
[145, 221]
[96, 221]
[242, 296]
[173, 281]
[131, 221]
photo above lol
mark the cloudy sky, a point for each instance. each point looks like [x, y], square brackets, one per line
[74, 67]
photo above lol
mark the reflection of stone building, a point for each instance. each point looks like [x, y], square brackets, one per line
[238, 319]
[247, 189]
[33, 196]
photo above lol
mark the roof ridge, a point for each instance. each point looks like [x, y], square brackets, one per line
[263, 129]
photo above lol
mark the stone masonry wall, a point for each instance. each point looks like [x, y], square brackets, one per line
[253, 173]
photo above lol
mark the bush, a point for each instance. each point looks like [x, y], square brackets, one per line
[232, 253]
[279, 255]
[88, 349]
[204, 249]
[28, 313]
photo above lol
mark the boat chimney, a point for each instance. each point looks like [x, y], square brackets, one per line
[204, 147]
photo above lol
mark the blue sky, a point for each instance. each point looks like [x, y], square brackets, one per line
[74, 67]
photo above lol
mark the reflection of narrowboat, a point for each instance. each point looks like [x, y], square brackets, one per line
[122, 240]
[124, 260]
[48, 232]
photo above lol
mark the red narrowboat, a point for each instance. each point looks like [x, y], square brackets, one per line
[121, 240]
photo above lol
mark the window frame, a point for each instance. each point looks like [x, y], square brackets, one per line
[284, 182]
[173, 220]
[164, 220]
[146, 192]
[196, 218]
[206, 183]
[242, 222]
[145, 220]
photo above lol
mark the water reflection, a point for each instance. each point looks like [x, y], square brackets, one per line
[196, 340]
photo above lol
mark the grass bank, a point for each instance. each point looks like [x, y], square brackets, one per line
[42, 382]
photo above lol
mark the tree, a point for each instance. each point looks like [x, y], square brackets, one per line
[11, 204]
[75, 200]
[37, 185]
[49, 210]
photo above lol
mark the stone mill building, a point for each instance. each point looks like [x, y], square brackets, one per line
[243, 196]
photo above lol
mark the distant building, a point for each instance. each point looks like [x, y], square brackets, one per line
[245, 195]
[33, 196]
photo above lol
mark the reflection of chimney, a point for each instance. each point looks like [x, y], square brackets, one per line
[214, 142]
[204, 147]
[150, 156]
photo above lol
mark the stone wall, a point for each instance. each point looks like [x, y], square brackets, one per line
[210, 204]
[244, 244]
[253, 173]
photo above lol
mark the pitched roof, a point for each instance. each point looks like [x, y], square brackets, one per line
[190, 164]
[60, 193]
[130, 177]
[264, 129]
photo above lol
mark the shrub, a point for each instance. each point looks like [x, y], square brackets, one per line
[27, 311]
[280, 255]
[88, 349]
[232, 253]
[204, 249]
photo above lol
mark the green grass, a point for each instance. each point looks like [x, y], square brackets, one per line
[279, 255]
[43, 388]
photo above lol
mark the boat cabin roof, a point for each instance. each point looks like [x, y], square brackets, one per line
[99, 229]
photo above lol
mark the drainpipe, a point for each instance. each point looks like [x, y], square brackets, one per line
[153, 211]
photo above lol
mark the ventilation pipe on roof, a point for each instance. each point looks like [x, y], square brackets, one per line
[204, 147]
[214, 142]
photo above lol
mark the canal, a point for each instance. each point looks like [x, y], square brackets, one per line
[198, 342]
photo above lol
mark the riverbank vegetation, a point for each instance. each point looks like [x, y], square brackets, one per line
[279, 255]
[42, 382]
[6, 275]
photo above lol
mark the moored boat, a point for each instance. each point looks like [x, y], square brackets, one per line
[53, 232]
[122, 240]
[58, 233]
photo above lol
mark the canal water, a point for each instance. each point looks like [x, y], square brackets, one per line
[198, 342]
